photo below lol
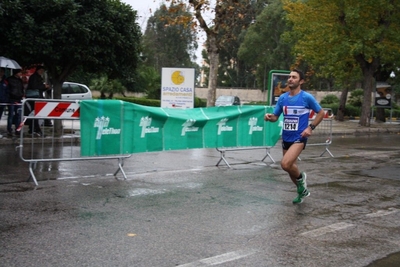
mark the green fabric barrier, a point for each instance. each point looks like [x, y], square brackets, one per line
[113, 127]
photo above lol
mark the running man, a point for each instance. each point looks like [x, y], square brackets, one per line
[295, 106]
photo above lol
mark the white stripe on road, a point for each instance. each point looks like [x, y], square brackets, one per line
[381, 213]
[327, 229]
[219, 259]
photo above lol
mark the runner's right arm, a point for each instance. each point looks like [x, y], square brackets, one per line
[270, 117]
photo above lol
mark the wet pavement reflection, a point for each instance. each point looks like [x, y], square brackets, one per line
[178, 209]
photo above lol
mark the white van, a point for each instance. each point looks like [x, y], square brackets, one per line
[75, 91]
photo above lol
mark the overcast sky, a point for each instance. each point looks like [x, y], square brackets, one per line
[146, 8]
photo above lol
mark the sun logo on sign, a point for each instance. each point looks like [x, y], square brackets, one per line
[177, 77]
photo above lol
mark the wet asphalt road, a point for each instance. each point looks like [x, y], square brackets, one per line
[178, 209]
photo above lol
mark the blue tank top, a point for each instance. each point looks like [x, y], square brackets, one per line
[296, 110]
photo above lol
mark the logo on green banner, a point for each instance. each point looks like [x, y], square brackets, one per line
[145, 123]
[101, 123]
[188, 127]
[222, 127]
[253, 126]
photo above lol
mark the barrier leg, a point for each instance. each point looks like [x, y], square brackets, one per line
[268, 155]
[120, 168]
[327, 150]
[32, 166]
[222, 158]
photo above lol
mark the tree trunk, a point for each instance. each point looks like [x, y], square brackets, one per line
[342, 104]
[368, 68]
[213, 54]
[369, 81]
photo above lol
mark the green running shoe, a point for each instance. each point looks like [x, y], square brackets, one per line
[299, 198]
[302, 183]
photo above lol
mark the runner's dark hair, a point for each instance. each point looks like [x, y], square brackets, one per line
[301, 74]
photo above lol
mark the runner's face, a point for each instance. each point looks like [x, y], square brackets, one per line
[294, 80]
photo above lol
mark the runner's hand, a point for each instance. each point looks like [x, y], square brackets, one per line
[307, 132]
[268, 117]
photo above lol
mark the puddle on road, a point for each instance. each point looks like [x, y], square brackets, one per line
[389, 261]
[145, 192]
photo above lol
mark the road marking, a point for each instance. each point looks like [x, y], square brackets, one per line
[327, 229]
[381, 213]
[219, 259]
[76, 177]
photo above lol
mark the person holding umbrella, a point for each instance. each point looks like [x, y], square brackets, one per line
[15, 93]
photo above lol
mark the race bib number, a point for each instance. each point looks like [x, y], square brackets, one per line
[291, 124]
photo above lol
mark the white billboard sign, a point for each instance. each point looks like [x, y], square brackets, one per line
[177, 88]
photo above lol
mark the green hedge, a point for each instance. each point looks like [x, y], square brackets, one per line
[395, 113]
[200, 103]
[352, 111]
[349, 110]
[140, 101]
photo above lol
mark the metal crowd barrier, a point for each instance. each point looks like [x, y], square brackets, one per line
[53, 146]
[222, 153]
[322, 135]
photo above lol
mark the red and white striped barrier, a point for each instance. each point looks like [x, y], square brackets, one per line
[326, 116]
[57, 109]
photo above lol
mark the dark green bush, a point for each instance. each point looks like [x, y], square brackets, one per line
[395, 112]
[330, 99]
[356, 97]
[334, 107]
[200, 103]
[352, 111]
